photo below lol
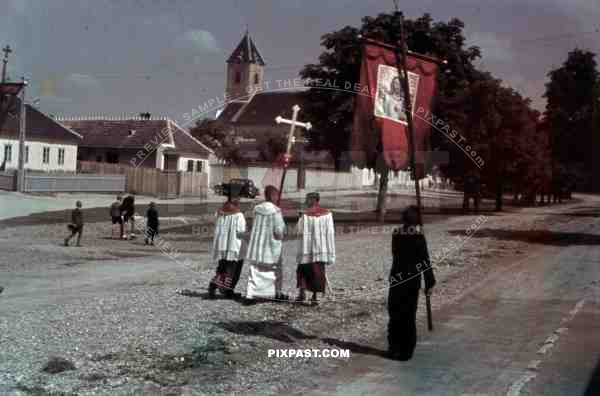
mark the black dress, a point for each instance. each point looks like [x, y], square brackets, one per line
[410, 263]
[152, 223]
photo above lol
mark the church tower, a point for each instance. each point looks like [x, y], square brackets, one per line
[245, 67]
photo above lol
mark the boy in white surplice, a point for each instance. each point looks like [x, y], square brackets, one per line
[229, 232]
[316, 248]
[264, 250]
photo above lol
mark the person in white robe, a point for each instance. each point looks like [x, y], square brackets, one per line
[264, 250]
[230, 228]
[316, 248]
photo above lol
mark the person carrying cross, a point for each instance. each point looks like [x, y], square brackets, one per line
[264, 250]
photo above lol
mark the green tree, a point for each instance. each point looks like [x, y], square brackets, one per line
[219, 137]
[572, 99]
[340, 61]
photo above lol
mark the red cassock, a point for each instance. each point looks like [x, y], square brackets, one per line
[380, 129]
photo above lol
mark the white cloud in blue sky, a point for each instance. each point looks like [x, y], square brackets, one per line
[199, 40]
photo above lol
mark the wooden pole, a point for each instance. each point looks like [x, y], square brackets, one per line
[401, 56]
[22, 129]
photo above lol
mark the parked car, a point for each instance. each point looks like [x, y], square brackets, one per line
[244, 188]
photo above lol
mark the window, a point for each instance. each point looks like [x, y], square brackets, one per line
[112, 157]
[26, 154]
[46, 155]
[198, 166]
[256, 79]
[61, 156]
[238, 77]
[8, 152]
[190, 166]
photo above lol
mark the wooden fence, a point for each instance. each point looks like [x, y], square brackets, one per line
[74, 183]
[151, 181]
[8, 180]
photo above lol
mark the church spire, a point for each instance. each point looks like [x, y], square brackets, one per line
[246, 52]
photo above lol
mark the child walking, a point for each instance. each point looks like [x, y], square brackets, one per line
[76, 226]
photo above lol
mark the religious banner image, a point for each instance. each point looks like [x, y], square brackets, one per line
[389, 97]
[380, 127]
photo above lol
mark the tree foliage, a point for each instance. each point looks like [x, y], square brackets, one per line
[340, 62]
[572, 94]
[218, 136]
[495, 121]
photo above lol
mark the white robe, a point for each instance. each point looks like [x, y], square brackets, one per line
[226, 244]
[318, 239]
[264, 252]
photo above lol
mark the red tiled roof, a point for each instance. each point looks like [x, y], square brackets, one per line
[265, 107]
[116, 134]
[39, 127]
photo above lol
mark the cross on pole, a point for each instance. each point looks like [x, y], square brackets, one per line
[290, 140]
[7, 50]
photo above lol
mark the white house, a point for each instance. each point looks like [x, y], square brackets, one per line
[140, 142]
[49, 146]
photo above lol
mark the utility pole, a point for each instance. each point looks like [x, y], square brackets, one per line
[22, 128]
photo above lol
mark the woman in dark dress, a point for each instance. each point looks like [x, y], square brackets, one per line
[410, 263]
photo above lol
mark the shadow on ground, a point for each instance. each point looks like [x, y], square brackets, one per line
[542, 237]
[279, 331]
[354, 347]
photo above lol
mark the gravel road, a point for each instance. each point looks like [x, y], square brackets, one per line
[112, 307]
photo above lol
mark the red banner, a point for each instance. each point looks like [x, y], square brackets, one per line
[380, 124]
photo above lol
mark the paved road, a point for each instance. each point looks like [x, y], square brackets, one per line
[531, 328]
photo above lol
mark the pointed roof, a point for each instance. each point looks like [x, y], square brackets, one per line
[246, 52]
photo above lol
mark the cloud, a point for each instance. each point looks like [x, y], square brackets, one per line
[493, 48]
[198, 40]
[82, 80]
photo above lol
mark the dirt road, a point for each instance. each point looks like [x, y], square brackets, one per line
[111, 308]
[529, 328]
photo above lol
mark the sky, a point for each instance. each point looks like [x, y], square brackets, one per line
[167, 57]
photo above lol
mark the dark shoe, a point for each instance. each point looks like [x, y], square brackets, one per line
[402, 357]
[234, 296]
[249, 301]
[230, 294]
[212, 291]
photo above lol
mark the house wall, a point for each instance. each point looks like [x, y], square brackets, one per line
[183, 164]
[124, 156]
[35, 161]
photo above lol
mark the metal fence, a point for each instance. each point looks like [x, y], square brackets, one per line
[75, 183]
